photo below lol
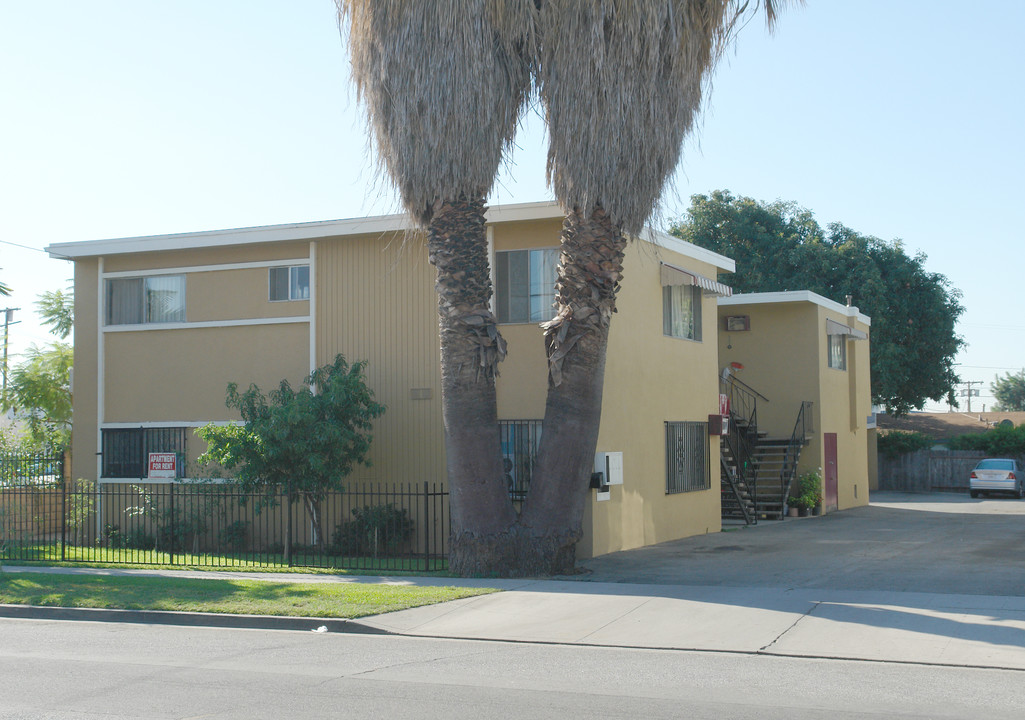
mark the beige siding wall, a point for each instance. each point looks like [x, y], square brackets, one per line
[84, 386]
[182, 375]
[376, 302]
[206, 256]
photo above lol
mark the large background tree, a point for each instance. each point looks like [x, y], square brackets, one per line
[779, 246]
[1009, 392]
[443, 82]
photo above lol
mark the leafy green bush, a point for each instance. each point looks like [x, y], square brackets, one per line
[371, 530]
[894, 443]
[808, 493]
[1001, 440]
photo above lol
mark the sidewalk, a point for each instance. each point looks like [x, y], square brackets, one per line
[914, 627]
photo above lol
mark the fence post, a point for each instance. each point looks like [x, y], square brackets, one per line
[171, 542]
[64, 513]
[427, 530]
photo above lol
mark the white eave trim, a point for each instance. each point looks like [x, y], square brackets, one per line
[226, 238]
[795, 296]
[690, 250]
[304, 232]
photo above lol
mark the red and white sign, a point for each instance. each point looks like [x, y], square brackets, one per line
[724, 404]
[163, 466]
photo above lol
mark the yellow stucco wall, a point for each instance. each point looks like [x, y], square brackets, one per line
[785, 357]
[84, 387]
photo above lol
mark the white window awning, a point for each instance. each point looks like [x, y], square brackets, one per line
[672, 275]
[835, 328]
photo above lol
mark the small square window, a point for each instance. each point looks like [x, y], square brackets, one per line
[289, 283]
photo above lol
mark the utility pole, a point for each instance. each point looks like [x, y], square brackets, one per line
[968, 392]
[8, 321]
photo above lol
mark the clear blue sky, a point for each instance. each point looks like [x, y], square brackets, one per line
[129, 117]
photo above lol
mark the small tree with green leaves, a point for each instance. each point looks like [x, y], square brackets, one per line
[1009, 392]
[303, 441]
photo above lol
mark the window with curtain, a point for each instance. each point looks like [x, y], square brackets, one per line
[525, 285]
[837, 352]
[141, 300]
[681, 311]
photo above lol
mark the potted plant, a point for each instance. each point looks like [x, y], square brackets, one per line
[809, 488]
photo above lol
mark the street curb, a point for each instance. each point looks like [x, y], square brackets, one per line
[190, 619]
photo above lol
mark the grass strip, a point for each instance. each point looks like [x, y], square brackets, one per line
[237, 597]
[238, 567]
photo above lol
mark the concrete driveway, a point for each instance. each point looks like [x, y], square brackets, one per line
[934, 543]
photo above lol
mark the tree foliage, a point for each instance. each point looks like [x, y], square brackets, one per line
[57, 309]
[1009, 392]
[39, 388]
[780, 246]
[305, 440]
[301, 442]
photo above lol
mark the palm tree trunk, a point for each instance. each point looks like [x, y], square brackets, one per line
[482, 514]
[591, 268]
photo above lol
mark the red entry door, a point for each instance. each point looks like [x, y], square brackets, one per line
[830, 500]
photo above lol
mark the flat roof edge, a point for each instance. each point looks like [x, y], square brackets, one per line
[766, 298]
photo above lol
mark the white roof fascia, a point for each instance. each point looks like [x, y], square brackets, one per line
[545, 210]
[223, 238]
[667, 241]
[795, 296]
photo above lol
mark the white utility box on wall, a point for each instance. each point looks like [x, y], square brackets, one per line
[610, 464]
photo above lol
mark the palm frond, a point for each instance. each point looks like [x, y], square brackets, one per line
[443, 83]
[621, 82]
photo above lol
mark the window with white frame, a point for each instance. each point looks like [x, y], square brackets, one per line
[681, 311]
[525, 285]
[686, 457]
[142, 300]
[837, 352]
[290, 283]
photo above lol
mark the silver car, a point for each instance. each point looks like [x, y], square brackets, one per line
[993, 475]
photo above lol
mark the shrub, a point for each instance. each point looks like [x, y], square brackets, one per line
[897, 442]
[372, 529]
[1001, 440]
[808, 493]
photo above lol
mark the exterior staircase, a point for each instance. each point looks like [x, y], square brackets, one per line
[756, 470]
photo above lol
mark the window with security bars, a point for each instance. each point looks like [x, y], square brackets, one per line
[126, 450]
[520, 442]
[686, 457]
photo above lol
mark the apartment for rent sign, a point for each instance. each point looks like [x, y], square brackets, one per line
[163, 466]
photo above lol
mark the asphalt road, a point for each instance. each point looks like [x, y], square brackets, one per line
[89, 671]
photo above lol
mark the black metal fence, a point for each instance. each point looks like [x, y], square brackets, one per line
[376, 528]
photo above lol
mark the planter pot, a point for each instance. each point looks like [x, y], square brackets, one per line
[817, 510]
[802, 512]
[792, 512]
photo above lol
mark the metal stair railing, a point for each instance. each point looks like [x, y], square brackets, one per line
[740, 440]
[792, 451]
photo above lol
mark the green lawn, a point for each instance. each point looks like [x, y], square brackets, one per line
[238, 597]
[112, 557]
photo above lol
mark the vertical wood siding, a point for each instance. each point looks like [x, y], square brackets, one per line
[376, 302]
